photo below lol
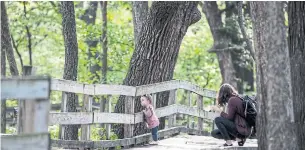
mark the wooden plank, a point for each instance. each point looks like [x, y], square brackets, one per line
[26, 142]
[67, 86]
[113, 118]
[157, 87]
[192, 111]
[172, 100]
[171, 85]
[87, 107]
[200, 107]
[72, 144]
[129, 109]
[197, 89]
[160, 112]
[161, 134]
[104, 89]
[113, 143]
[207, 115]
[67, 118]
[18, 88]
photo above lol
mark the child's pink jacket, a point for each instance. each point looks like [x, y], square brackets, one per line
[151, 118]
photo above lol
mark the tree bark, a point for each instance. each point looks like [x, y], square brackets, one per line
[296, 40]
[139, 14]
[6, 41]
[3, 102]
[89, 17]
[104, 41]
[275, 123]
[157, 50]
[221, 42]
[71, 62]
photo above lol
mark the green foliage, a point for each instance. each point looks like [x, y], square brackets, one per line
[195, 63]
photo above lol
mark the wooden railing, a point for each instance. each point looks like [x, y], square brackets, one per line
[129, 118]
[87, 117]
[33, 93]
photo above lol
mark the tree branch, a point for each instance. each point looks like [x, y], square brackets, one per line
[16, 49]
[232, 48]
[29, 36]
[243, 31]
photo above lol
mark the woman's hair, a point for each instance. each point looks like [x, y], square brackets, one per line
[148, 97]
[225, 92]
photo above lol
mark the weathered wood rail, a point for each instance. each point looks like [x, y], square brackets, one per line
[87, 117]
[33, 93]
[129, 118]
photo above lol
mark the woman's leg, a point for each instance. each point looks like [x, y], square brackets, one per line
[216, 134]
[227, 129]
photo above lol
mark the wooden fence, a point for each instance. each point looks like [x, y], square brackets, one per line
[87, 117]
[33, 93]
[129, 118]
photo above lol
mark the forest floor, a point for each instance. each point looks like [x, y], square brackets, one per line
[190, 142]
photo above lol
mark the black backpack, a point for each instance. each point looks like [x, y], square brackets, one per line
[250, 111]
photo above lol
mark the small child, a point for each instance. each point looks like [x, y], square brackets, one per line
[151, 120]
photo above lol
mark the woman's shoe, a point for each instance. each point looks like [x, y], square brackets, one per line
[242, 142]
[225, 145]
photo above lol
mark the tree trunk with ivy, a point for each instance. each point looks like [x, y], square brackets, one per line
[276, 123]
[296, 40]
[71, 62]
[157, 51]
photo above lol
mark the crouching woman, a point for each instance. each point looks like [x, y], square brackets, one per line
[231, 125]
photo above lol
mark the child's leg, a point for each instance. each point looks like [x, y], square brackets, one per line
[154, 133]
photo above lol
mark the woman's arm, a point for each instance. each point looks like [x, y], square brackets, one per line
[231, 109]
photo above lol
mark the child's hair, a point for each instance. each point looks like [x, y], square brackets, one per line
[148, 97]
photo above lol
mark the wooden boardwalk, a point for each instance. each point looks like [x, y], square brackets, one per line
[191, 142]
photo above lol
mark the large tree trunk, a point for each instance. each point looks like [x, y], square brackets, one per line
[221, 43]
[156, 54]
[296, 11]
[71, 62]
[139, 14]
[275, 123]
[6, 52]
[89, 17]
[6, 41]
[3, 102]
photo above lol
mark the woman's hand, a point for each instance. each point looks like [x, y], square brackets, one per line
[216, 108]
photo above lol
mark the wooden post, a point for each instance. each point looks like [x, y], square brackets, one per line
[154, 102]
[200, 107]
[172, 100]
[214, 125]
[33, 115]
[189, 100]
[87, 107]
[129, 109]
[108, 126]
[63, 109]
